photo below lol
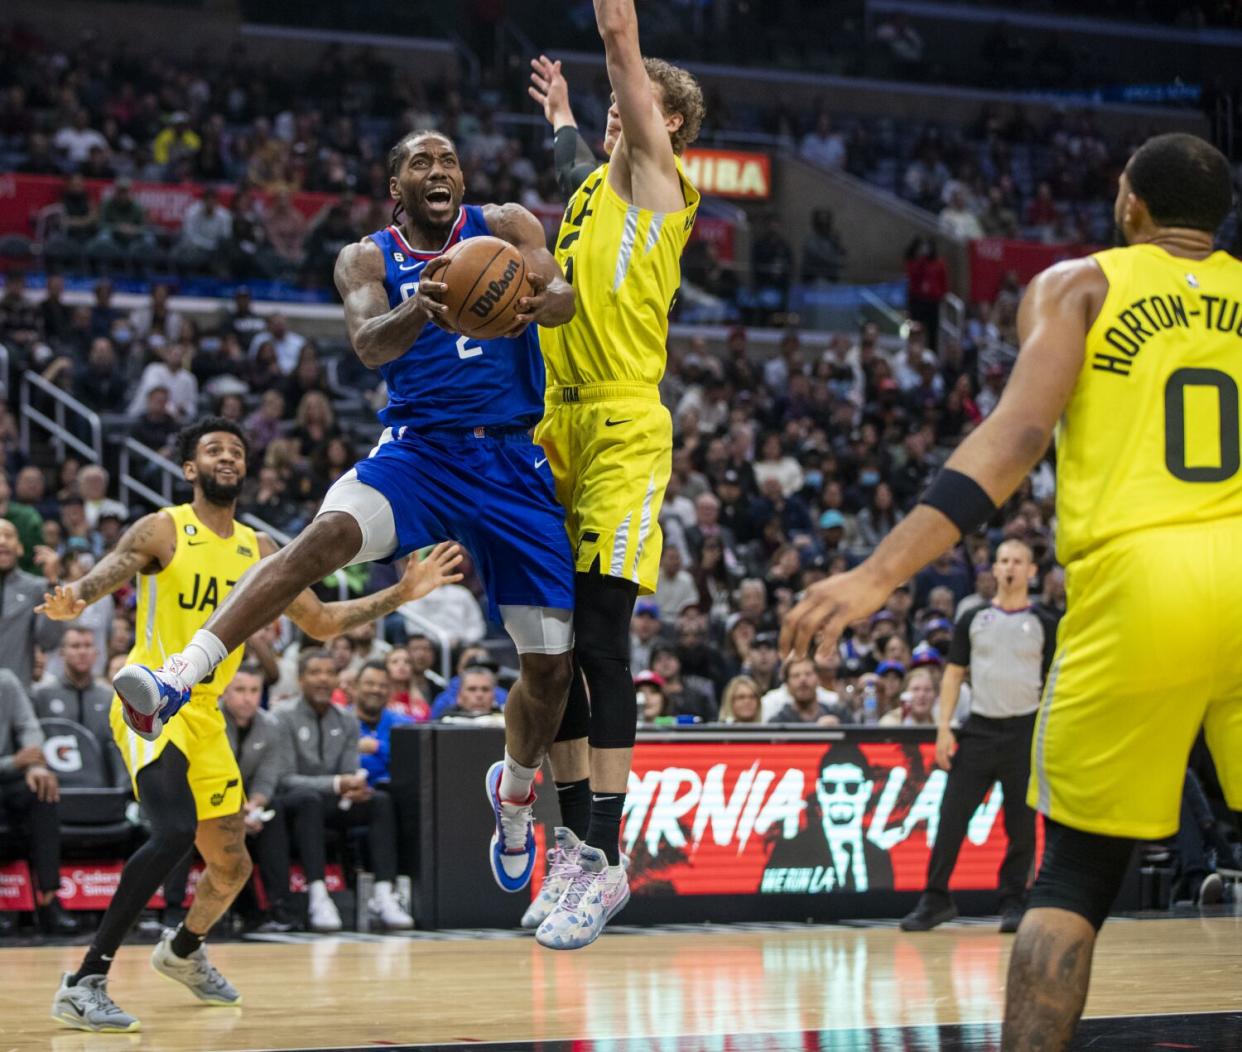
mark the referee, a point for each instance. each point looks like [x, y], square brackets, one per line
[1006, 647]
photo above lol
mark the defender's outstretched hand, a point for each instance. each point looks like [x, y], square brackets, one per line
[60, 604]
[549, 88]
[423, 576]
[827, 607]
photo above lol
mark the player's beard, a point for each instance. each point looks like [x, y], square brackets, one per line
[219, 493]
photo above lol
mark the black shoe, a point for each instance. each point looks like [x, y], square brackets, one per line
[1211, 891]
[1010, 920]
[55, 921]
[280, 919]
[8, 923]
[928, 915]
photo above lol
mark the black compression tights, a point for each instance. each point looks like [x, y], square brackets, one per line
[168, 803]
[604, 707]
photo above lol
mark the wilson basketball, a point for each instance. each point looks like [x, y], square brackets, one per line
[485, 278]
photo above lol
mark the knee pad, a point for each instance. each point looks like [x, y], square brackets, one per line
[1081, 872]
[614, 702]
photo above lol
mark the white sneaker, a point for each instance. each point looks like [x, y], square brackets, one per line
[562, 868]
[387, 910]
[195, 972]
[594, 896]
[87, 1006]
[323, 912]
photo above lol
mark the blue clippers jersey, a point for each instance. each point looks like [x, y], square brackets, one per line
[448, 381]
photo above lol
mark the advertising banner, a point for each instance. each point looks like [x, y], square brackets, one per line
[992, 258]
[742, 174]
[779, 818]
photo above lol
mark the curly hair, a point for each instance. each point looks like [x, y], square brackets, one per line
[189, 437]
[679, 93]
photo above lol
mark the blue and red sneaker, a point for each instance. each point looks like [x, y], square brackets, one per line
[149, 698]
[512, 853]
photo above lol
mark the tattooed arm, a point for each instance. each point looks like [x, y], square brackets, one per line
[322, 620]
[146, 547]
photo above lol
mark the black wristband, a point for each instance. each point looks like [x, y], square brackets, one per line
[960, 499]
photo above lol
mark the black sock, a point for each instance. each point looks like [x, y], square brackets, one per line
[95, 963]
[185, 942]
[605, 829]
[575, 801]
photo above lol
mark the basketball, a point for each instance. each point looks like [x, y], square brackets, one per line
[485, 277]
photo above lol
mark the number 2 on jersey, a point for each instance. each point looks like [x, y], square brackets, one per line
[464, 348]
[1175, 439]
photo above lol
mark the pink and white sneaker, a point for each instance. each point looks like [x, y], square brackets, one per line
[596, 894]
[562, 868]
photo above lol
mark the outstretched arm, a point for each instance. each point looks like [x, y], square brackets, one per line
[570, 151]
[1059, 307]
[324, 620]
[146, 546]
[551, 300]
[377, 333]
[644, 134]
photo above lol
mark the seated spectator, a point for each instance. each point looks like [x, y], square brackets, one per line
[470, 656]
[308, 376]
[76, 139]
[332, 234]
[823, 146]
[917, 704]
[687, 695]
[645, 632]
[325, 774]
[29, 793]
[316, 423]
[653, 702]
[287, 343]
[945, 570]
[206, 232]
[957, 219]
[30, 488]
[800, 698]
[123, 231]
[409, 704]
[264, 751]
[156, 427]
[890, 677]
[998, 219]
[476, 695]
[176, 142]
[424, 681]
[157, 318]
[263, 426]
[22, 629]
[763, 663]
[675, 587]
[240, 319]
[26, 521]
[376, 719]
[76, 693]
[285, 228]
[100, 384]
[170, 373]
[93, 489]
[775, 463]
[741, 701]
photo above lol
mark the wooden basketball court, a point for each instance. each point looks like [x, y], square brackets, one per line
[1161, 983]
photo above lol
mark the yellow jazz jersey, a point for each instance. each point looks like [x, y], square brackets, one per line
[172, 605]
[1149, 525]
[625, 265]
[1150, 436]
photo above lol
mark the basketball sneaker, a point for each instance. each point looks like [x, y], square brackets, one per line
[87, 1006]
[512, 853]
[562, 868]
[596, 894]
[385, 908]
[195, 972]
[150, 697]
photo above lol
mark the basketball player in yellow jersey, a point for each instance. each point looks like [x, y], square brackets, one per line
[187, 559]
[1134, 356]
[609, 441]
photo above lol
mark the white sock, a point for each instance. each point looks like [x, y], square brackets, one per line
[516, 781]
[317, 890]
[202, 654]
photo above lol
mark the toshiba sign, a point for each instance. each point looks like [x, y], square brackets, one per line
[730, 173]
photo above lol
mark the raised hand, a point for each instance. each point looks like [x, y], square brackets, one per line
[423, 576]
[61, 604]
[549, 88]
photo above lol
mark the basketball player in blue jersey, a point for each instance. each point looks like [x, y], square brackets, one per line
[456, 461]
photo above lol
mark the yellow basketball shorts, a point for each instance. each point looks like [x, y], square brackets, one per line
[610, 447]
[198, 731]
[1147, 654]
